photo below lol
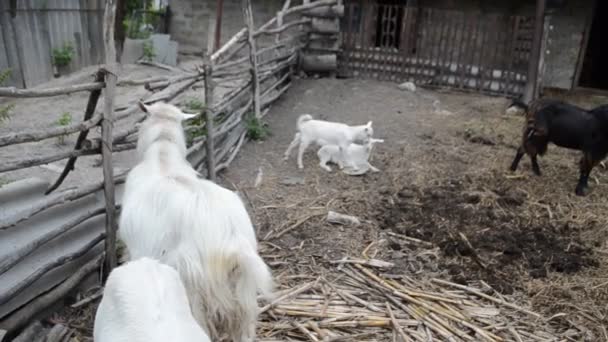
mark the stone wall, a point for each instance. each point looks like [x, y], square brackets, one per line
[190, 20]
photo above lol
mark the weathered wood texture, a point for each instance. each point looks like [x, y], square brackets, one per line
[481, 52]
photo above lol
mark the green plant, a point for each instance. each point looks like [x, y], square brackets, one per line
[63, 56]
[64, 120]
[195, 105]
[197, 128]
[5, 111]
[149, 52]
[256, 129]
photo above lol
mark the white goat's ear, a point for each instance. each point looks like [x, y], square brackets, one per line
[369, 124]
[143, 107]
[188, 116]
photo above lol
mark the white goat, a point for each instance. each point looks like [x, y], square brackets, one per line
[145, 301]
[194, 225]
[355, 154]
[326, 133]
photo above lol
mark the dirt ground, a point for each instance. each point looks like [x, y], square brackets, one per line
[444, 204]
[444, 180]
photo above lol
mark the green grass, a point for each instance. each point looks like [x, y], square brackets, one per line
[64, 120]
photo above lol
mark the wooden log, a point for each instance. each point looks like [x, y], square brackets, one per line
[106, 136]
[273, 97]
[18, 319]
[32, 333]
[209, 86]
[41, 134]
[239, 36]
[325, 12]
[282, 28]
[30, 279]
[325, 26]
[15, 92]
[59, 333]
[30, 162]
[130, 82]
[255, 84]
[88, 113]
[151, 86]
[318, 63]
[66, 196]
[11, 260]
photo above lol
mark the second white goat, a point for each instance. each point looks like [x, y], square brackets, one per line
[323, 133]
[145, 301]
[194, 225]
[355, 155]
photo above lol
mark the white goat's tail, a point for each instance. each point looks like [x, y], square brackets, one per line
[238, 273]
[302, 119]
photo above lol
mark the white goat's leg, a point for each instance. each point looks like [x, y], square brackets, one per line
[303, 146]
[340, 164]
[323, 163]
[292, 145]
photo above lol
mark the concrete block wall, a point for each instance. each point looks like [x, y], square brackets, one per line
[191, 18]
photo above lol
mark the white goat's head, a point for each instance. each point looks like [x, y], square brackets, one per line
[163, 122]
[365, 133]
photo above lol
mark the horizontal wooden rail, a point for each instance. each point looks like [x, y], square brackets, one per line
[16, 92]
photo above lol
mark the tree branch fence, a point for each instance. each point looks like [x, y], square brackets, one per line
[258, 65]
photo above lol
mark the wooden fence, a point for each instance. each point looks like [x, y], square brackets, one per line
[257, 63]
[486, 53]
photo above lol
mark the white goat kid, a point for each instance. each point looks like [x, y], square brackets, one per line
[145, 301]
[326, 133]
[355, 155]
[194, 225]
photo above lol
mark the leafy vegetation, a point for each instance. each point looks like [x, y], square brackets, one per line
[195, 105]
[5, 111]
[256, 129]
[64, 120]
[63, 56]
[149, 52]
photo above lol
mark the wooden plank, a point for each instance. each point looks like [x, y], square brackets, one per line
[209, 124]
[405, 40]
[106, 136]
[248, 17]
[531, 90]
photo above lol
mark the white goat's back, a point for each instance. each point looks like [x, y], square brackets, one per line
[145, 301]
[196, 226]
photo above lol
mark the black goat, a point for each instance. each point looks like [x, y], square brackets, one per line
[567, 126]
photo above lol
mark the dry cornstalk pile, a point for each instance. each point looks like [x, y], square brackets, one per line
[360, 305]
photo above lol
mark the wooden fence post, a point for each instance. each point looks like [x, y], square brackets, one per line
[106, 136]
[531, 89]
[210, 143]
[255, 81]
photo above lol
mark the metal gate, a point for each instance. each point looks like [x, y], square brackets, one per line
[486, 53]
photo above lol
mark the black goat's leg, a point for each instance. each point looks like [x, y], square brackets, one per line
[520, 153]
[535, 167]
[586, 165]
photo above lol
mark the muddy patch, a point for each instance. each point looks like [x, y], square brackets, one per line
[483, 233]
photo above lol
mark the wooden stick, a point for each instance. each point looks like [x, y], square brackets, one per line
[255, 85]
[209, 122]
[225, 164]
[37, 135]
[30, 279]
[106, 137]
[12, 259]
[239, 36]
[15, 92]
[483, 295]
[22, 164]
[293, 293]
[18, 319]
[67, 196]
[88, 113]
[303, 329]
[396, 325]
[282, 28]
